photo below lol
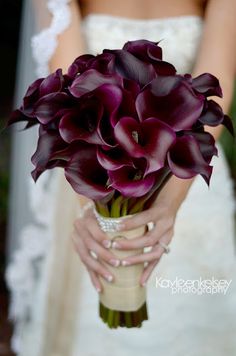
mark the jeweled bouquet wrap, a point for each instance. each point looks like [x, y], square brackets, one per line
[120, 124]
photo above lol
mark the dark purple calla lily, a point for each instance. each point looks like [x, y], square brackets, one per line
[18, 116]
[207, 84]
[91, 80]
[80, 64]
[150, 52]
[127, 106]
[103, 63]
[142, 49]
[186, 160]
[49, 143]
[86, 175]
[130, 67]
[113, 158]
[206, 144]
[41, 94]
[81, 123]
[150, 139]
[47, 107]
[26, 110]
[31, 97]
[212, 115]
[130, 181]
[172, 100]
[52, 83]
[89, 120]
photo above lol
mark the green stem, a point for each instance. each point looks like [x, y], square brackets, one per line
[102, 209]
[110, 318]
[124, 208]
[115, 208]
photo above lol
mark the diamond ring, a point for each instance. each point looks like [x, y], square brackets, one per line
[166, 248]
[93, 254]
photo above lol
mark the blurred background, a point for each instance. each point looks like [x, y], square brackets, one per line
[10, 29]
[10, 16]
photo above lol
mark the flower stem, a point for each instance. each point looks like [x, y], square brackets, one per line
[116, 318]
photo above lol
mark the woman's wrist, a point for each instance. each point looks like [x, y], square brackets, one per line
[174, 193]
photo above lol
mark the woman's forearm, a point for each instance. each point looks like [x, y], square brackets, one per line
[70, 42]
[216, 55]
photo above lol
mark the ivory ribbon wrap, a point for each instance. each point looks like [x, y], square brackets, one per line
[125, 293]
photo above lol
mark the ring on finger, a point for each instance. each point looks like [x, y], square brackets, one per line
[93, 254]
[150, 225]
[166, 247]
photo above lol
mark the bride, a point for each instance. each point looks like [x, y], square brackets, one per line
[54, 304]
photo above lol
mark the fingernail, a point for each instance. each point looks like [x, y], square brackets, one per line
[144, 284]
[98, 289]
[125, 263]
[106, 243]
[115, 244]
[109, 278]
[114, 263]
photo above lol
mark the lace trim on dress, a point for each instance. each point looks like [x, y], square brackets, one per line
[23, 273]
[44, 43]
[24, 270]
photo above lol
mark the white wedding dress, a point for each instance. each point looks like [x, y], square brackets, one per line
[56, 311]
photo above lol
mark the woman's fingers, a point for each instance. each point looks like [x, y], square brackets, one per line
[89, 261]
[148, 271]
[101, 252]
[90, 223]
[89, 231]
[139, 219]
[149, 239]
[155, 253]
[146, 240]
[95, 281]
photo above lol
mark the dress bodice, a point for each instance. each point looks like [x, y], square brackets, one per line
[179, 36]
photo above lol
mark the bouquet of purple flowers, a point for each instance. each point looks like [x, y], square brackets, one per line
[121, 123]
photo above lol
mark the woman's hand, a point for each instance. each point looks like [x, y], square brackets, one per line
[87, 237]
[163, 216]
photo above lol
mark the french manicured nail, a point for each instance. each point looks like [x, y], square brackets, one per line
[106, 243]
[109, 278]
[115, 244]
[125, 263]
[114, 262]
[98, 289]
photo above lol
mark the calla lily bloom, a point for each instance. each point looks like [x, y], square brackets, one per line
[212, 115]
[172, 100]
[150, 52]
[207, 84]
[86, 175]
[130, 67]
[92, 79]
[90, 119]
[113, 158]
[150, 139]
[206, 144]
[130, 181]
[49, 143]
[185, 159]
